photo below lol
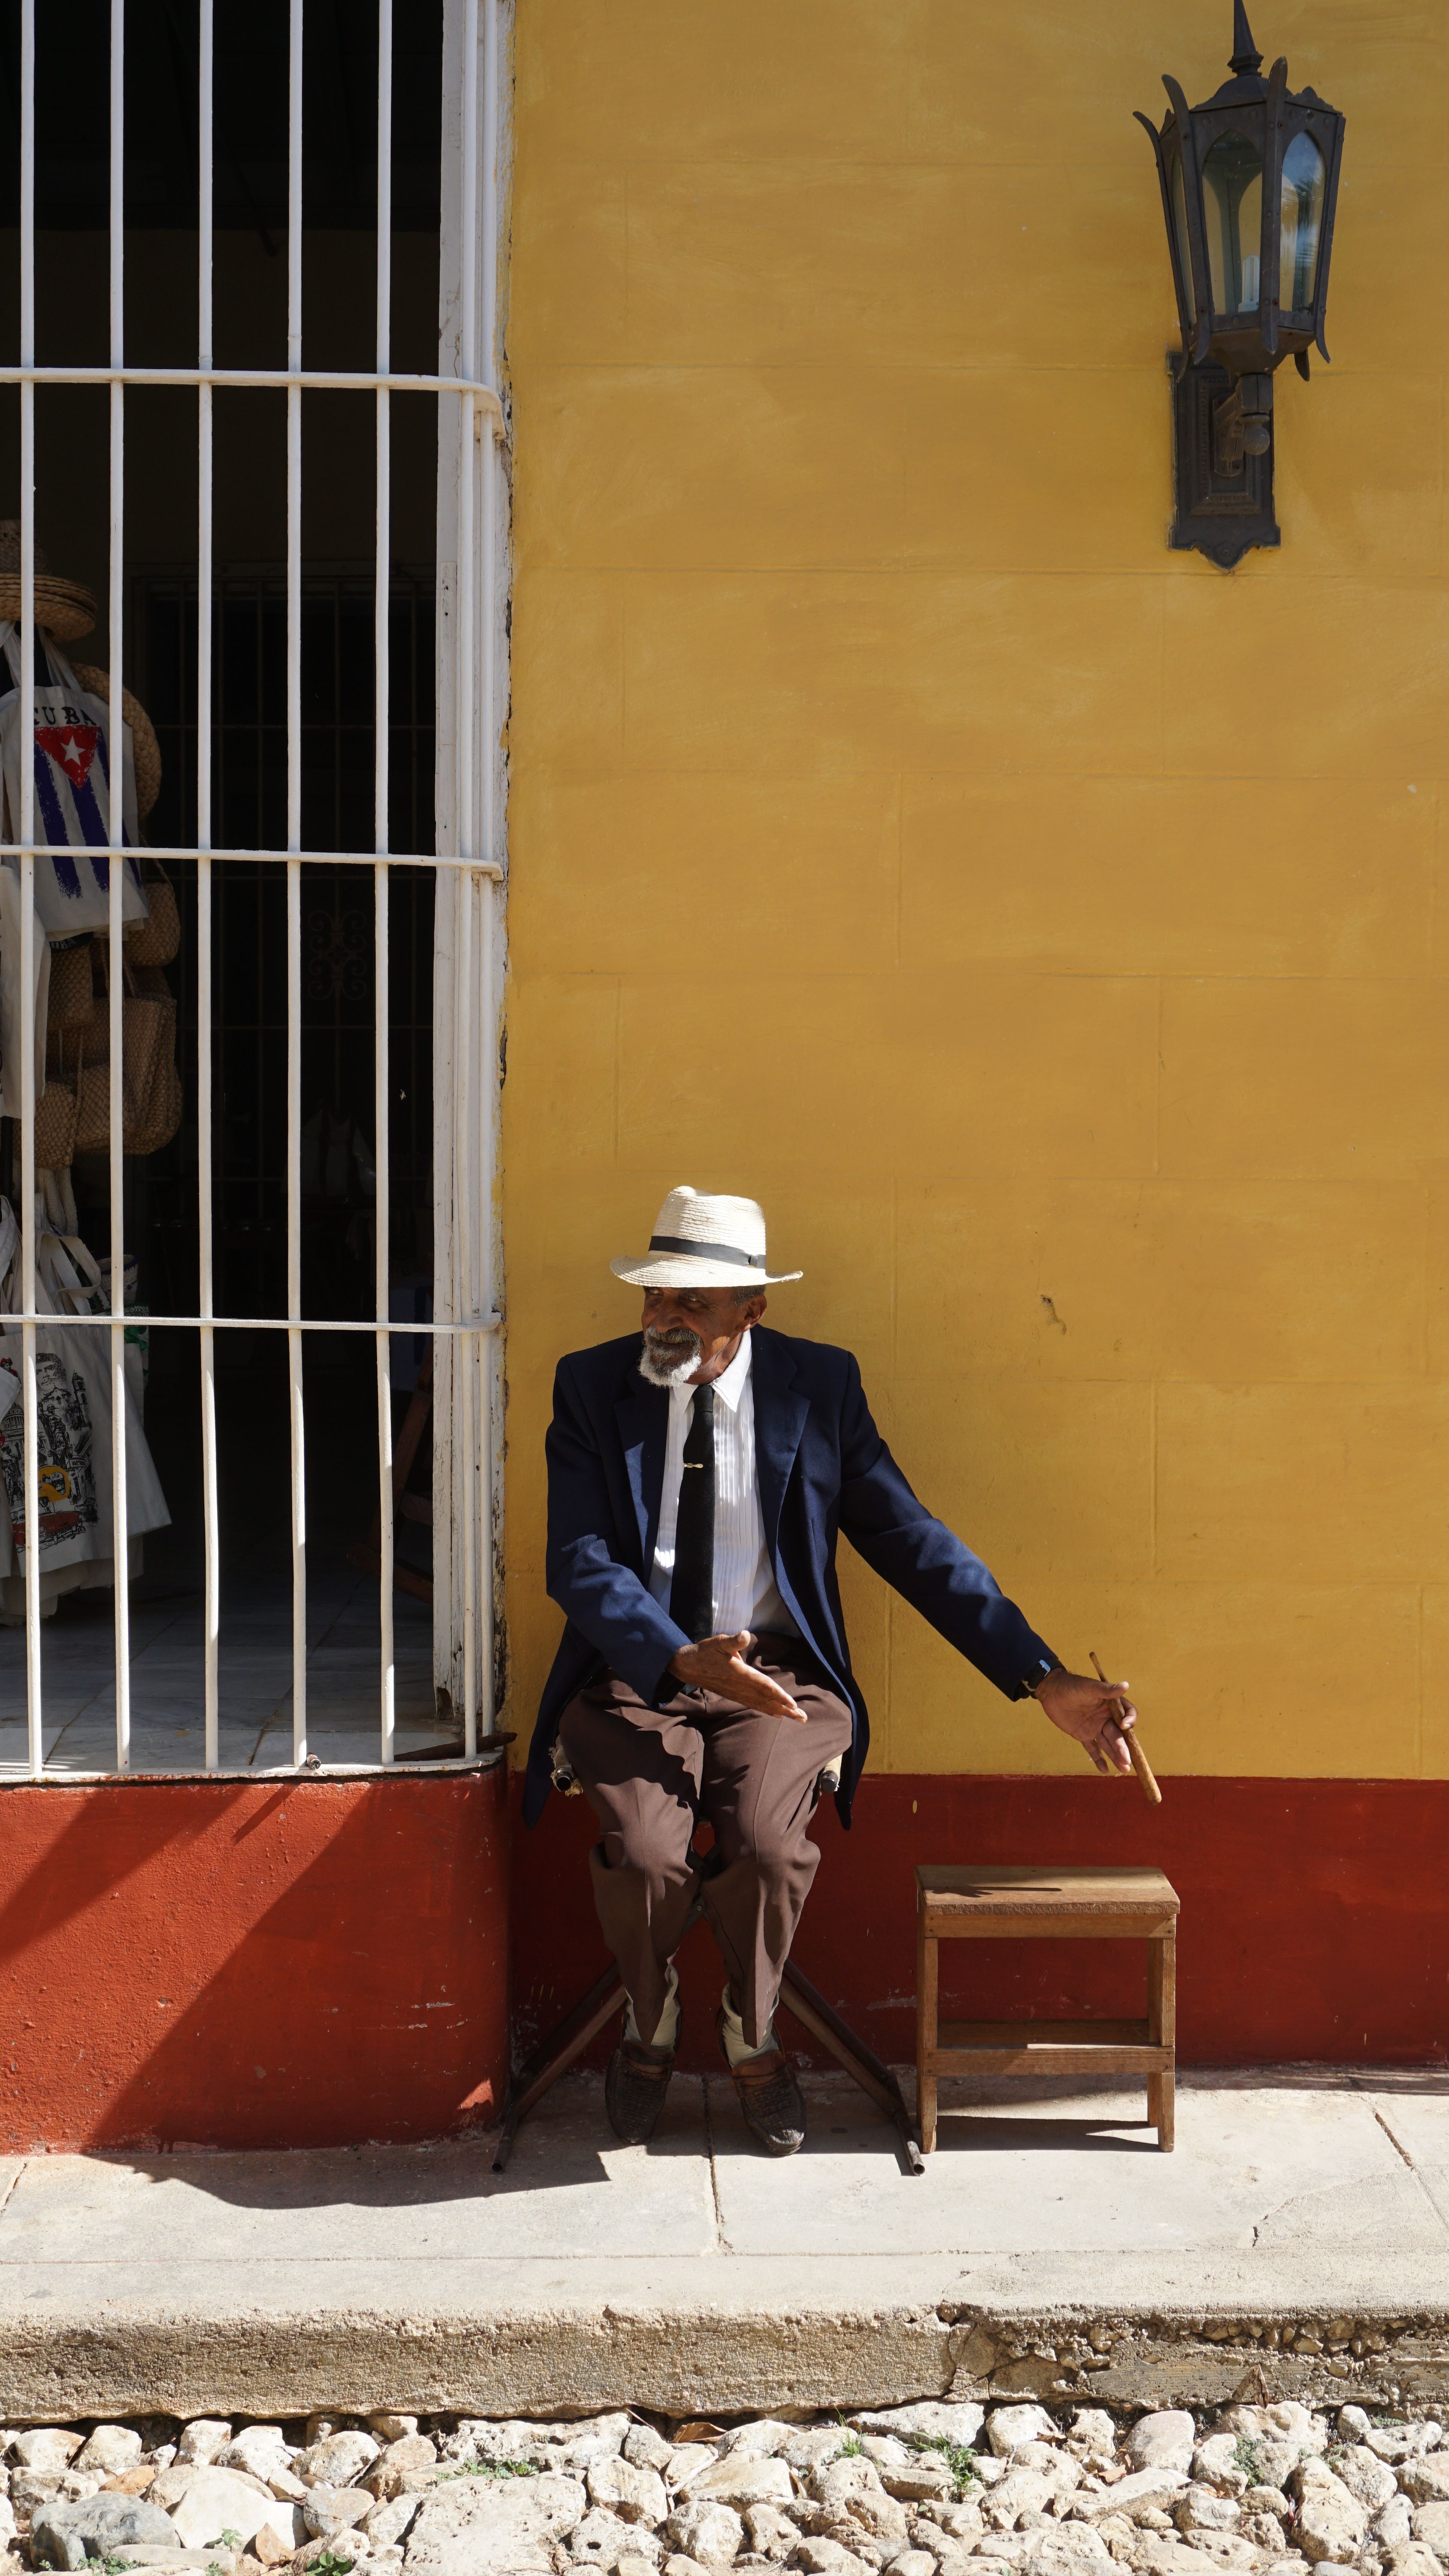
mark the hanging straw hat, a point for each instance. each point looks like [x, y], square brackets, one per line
[701, 1242]
[62, 608]
[145, 749]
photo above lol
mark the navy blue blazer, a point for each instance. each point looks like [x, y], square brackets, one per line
[823, 1468]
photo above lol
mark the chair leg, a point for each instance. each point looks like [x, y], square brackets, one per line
[1154, 2029]
[555, 2055]
[869, 2071]
[927, 1980]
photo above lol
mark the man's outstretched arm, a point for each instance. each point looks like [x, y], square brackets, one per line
[939, 1575]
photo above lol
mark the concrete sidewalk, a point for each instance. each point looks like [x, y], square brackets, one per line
[1049, 2247]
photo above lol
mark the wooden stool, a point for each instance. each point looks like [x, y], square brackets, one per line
[1048, 1905]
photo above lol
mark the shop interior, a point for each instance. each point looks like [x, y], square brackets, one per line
[340, 1144]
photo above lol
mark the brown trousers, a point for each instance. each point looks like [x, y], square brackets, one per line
[651, 1774]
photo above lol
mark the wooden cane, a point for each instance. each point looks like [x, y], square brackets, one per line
[1140, 1763]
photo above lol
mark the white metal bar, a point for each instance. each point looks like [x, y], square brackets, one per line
[308, 858]
[210, 1510]
[354, 380]
[33, 1700]
[382, 1091]
[488, 1758]
[485, 1350]
[116, 963]
[445, 1330]
[487, 356]
[445, 801]
[465, 1208]
[484, 1353]
[465, 1427]
[294, 887]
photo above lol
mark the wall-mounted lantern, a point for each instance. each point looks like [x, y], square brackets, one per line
[1249, 184]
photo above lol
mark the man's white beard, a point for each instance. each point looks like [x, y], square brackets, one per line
[666, 1362]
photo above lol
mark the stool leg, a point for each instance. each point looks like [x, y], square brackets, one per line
[1162, 2031]
[927, 1956]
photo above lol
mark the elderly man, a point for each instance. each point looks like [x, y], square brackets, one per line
[698, 1477]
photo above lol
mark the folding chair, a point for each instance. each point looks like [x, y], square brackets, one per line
[568, 2040]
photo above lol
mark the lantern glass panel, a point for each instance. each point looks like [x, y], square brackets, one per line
[1179, 224]
[1233, 203]
[1303, 178]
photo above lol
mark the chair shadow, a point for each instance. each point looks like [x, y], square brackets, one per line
[843, 2122]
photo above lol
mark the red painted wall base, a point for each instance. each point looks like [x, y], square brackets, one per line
[318, 1963]
[252, 1963]
[1313, 1917]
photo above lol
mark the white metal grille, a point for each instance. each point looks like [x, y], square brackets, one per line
[468, 860]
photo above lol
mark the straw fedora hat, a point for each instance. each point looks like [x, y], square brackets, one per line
[703, 1242]
[62, 608]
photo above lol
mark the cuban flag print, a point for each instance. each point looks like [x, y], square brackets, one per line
[72, 772]
[74, 746]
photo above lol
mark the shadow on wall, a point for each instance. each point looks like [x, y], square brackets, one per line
[238, 1964]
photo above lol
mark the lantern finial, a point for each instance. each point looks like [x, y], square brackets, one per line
[1246, 56]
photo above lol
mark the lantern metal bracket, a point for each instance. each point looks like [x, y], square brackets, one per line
[1243, 424]
[1223, 461]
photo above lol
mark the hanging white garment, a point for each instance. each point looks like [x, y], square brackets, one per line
[11, 1024]
[73, 770]
[73, 1419]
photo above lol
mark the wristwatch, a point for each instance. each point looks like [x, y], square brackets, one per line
[1031, 1682]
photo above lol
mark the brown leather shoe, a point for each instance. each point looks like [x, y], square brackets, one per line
[770, 2098]
[634, 2089]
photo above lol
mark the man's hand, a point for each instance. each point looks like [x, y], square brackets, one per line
[1097, 1714]
[718, 1664]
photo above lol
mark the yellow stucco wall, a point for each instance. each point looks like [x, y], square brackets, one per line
[1045, 926]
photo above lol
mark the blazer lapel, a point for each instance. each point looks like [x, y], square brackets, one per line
[780, 1418]
[642, 1413]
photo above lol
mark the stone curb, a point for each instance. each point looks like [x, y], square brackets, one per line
[712, 2355]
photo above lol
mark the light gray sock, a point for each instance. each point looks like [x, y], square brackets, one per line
[667, 2033]
[736, 2047]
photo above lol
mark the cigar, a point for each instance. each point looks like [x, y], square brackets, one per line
[1140, 1763]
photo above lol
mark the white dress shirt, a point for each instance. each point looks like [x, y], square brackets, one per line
[745, 1594]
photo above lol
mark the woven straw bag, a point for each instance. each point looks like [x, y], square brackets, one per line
[55, 1117]
[151, 1096]
[154, 942]
[93, 1107]
[93, 1032]
[91, 1037]
[70, 987]
[148, 1053]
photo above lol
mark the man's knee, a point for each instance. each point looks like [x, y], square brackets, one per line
[775, 1850]
[629, 1849]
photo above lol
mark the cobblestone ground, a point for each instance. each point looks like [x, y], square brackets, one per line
[916, 2489]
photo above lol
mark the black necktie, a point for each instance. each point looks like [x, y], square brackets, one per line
[691, 1593]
